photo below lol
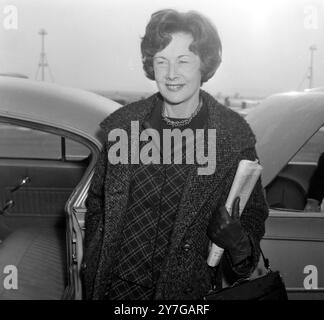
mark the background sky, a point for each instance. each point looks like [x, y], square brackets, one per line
[95, 44]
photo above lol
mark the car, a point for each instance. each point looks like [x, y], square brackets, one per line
[49, 144]
[50, 141]
[290, 138]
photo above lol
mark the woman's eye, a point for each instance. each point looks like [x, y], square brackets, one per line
[160, 62]
[184, 61]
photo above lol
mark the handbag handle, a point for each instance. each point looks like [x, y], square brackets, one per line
[266, 264]
[266, 261]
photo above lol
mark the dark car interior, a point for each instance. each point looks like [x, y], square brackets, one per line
[288, 191]
[35, 185]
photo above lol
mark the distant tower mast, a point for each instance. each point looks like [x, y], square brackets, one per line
[311, 66]
[43, 59]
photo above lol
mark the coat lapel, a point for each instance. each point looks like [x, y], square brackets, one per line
[118, 184]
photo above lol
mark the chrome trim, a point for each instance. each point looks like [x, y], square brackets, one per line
[304, 290]
[282, 238]
[300, 214]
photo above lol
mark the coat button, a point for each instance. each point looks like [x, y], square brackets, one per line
[100, 229]
[83, 266]
[187, 247]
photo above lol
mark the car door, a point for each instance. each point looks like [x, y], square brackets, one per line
[39, 169]
[50, 166]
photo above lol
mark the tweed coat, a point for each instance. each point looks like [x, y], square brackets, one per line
[185, 273]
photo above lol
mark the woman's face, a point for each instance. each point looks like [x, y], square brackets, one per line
[177, 71]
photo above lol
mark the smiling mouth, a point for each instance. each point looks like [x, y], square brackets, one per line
[174, 87]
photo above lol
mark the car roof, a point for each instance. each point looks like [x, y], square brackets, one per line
[51, 104]
[283, 123]
[13, 74]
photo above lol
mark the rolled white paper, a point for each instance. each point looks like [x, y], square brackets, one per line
[247, 174]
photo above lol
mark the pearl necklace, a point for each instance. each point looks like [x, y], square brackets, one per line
[180, 123]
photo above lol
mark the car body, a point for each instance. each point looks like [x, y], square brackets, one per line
[290, 138]
[293, 241]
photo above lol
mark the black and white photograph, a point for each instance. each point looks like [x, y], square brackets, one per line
[165, 155]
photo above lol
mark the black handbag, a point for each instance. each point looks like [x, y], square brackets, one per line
[267, 287]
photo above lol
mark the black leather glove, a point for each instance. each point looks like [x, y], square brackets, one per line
[226, 232]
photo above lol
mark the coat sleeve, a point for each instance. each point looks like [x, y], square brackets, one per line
[253, 222]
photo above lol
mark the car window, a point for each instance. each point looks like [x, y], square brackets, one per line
[22, 142]
[75, 150]
[290, 189]
[311, 151]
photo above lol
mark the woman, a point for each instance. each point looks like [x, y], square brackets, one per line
[148, 226]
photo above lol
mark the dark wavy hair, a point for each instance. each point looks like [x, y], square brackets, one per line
[206, 42]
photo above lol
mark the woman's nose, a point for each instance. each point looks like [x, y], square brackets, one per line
[172, 71]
